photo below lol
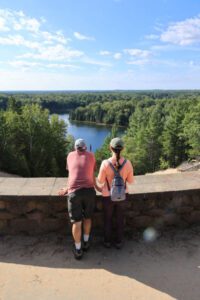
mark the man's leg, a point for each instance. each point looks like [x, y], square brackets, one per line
[87, 224]
[75, 214]
[76, 232]
[88, 210]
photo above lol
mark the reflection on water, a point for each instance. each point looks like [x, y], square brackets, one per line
[94, 135]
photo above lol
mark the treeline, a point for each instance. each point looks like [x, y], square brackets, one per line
[64, 102]
[161, 135]
[162, 128]
[54, 102]
[32, 143]
[61, 102]
[118, 112]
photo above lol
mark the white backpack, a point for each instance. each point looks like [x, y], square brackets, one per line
[118, 186]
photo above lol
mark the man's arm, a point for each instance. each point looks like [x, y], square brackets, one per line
[63, 192]
[98, 188]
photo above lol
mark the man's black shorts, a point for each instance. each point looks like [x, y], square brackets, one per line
[81, 204]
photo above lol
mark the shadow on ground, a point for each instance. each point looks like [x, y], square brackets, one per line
[171, 264]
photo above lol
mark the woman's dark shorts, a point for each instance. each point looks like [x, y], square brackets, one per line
[81, 204]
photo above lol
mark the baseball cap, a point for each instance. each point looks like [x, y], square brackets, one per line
[80, 143]
[117, 143]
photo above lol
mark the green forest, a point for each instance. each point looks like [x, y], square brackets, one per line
[162, 128]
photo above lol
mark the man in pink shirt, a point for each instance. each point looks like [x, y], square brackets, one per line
[81, 165]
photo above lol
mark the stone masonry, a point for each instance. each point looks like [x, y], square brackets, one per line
[32, 205]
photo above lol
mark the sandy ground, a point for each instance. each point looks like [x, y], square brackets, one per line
[43, 268]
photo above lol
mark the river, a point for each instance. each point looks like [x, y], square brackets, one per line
[94, 135]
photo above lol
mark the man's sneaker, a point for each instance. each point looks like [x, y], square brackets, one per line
[78, 253]
[107, 244]
[118, 245]
[86, 246]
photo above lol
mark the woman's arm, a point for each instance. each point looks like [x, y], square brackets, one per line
[98, 188]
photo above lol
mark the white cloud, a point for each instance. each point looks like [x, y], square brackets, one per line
[55, 53]
[138, 53]
[18, 40]
[183, 33]
[23, 64]
[152, 37]
[50, 38]
[26, 33]
[117, 55]
[82, 37]
[25, 23]
[17, 20]
[105, 53]
[62, 66]
[90, 61]
[138, 62]
[3, 26]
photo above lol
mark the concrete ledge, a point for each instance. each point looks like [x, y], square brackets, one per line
[32, 205]
[48, 187]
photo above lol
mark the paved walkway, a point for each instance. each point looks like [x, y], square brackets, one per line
[43, 268]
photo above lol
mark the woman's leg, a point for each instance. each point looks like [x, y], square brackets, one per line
[108, 207]
[120, 207]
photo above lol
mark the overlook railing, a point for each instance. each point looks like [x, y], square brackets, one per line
[32, 205]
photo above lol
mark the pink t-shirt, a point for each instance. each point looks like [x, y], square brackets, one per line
[81, 166]
[106, 172]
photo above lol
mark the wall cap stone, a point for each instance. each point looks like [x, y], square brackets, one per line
[47, 188]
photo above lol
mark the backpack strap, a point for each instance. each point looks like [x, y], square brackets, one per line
[122, 165]
[113, 168]
[117, 171]
[108, 184]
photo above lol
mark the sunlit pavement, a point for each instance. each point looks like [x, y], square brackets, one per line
[44, 268]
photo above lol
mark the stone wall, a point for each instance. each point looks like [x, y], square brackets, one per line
[32, 205]
[37, 215]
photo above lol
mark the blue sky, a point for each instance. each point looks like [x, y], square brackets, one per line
[99, 44]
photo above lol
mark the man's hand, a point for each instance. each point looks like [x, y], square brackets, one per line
[98, 188]
[63, 192]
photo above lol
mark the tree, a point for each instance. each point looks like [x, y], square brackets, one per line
[191, 130]
[173, 141]
[32, 143]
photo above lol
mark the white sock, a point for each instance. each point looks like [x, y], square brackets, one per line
[86, 237]
[78, 246]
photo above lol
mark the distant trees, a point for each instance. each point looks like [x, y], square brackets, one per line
[161, 134]
[113, 113]
[191, 130]
[173, 140]
[143, 144]
[162, 128]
